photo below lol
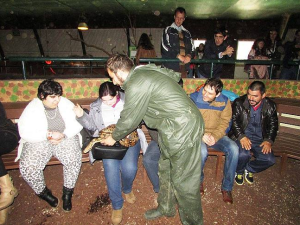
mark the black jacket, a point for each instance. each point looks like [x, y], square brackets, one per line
[241, 117]
[212, 51]
[170, 46]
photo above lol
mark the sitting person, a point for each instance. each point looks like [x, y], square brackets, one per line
[258, 52]
[150, 162]
[119, 174]
[216, 112]
[9, 138]
[48, 127]
[254, 129]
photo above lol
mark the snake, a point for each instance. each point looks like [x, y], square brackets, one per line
[129, 141]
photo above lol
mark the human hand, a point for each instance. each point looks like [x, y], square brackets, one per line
[78, 110]
[108, 141]
[181, 58]
[266, 147]
[229, 50]
[55, 137]
[208, 139]
[245, 143]
[187, 59]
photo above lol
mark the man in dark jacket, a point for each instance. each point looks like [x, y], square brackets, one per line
[153, 95]
[215, 49]
[254, 128]
[177, 42]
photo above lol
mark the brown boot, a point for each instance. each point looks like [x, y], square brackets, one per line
[4, 215]
[116, 216]
[8, 192]
[130, 198]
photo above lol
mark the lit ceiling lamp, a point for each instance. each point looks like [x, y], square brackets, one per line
[83, 26]
[82, 23]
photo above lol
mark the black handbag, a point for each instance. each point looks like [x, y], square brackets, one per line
[117, 151]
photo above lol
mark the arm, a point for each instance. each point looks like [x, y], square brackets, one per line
[271, 124]
[224, 120]
[86, 120]
[135, 107]
[167, 48]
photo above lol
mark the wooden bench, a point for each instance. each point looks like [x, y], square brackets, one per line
[287, 142]
[13, 112]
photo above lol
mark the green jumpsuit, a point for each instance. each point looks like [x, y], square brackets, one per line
[153, 95]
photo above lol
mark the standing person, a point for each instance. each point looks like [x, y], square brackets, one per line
[145, 49]
[48, 127]
[215, 49]
[254, 128]
[119, 174]
[292, 52]
[9, 138]
[216, 111]
[177, 42]
[153, 95]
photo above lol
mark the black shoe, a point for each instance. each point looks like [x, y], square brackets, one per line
[46, 195]
[239, 179]
[67, 198]
[249, 177]
[155, 213]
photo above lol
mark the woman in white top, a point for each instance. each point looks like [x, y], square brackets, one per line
[48, 127]
[119, 174]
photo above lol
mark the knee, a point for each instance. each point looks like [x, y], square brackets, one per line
[271, 160]
[244, 155]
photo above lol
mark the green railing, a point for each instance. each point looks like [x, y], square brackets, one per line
[24, 60]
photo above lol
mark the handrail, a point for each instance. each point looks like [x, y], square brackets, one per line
[148, 60]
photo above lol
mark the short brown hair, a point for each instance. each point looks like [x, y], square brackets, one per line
[119, 62]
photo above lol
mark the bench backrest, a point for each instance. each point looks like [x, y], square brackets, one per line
[289, 119]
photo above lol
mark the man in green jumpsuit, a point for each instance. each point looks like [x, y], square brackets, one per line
[153, 95]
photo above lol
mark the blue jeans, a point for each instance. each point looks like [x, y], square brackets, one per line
[150, 161]
[119, 175]
[261, 162]
[231, 150]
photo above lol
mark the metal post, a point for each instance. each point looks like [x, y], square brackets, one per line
[24, 70]
[211, 69]
[271, 72]
[298, 72]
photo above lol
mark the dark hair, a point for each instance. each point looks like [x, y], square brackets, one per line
[119, 62]
[257, 86]
[108, 88]
[49, 87]
[221, 30]
[145, 42]
[180, 10]
[258, 51]
[215, 83]
[268, 40]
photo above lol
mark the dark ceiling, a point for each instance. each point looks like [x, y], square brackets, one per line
[115, 13]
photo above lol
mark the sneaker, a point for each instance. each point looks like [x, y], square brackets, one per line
[249, 177]
[239, 179]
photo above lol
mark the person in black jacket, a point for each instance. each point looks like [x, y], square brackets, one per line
[177, 42]
[254, 128]
[9, 138]
[218, 48]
